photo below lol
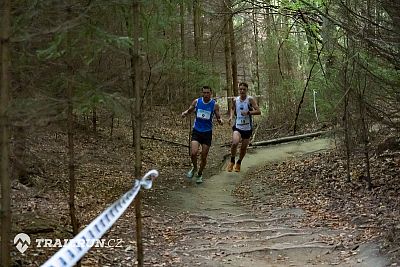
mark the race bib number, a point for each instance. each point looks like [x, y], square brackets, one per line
[243, 120]
[203, 114]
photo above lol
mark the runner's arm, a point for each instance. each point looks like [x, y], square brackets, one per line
[255, 109]
[217, 114]
[190, 109]
[232, 111]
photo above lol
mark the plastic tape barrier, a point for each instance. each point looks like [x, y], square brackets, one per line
[76, 248]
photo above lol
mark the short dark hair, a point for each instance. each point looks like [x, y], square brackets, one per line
[207, 87]
[244, 84]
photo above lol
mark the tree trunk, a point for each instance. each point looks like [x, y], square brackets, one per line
[182, 29]
[272, 73]
[233, 53]
[94, 119]
[185, 90]
[365, 137]
[71, 161]
[196, 29]
[302, 100]
[5, 212]
[70, 137]
[112, 124]
[132, 79]
[138, 123]
[131, 92]
[312, 56]
[228, 63]
[328, 34]
[256, 57]
[347, 135]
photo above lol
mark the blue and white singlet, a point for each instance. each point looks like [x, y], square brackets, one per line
[243, 122]
[204, 115]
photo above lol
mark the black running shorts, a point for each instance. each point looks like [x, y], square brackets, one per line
[202, 137]
[243, 134]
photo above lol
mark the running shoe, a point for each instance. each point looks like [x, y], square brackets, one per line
[229, 168]
[199, 179]
[190, 173]
[237, 167]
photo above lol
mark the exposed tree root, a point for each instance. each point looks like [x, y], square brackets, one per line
[231, 215]
[226, 252]
[253, 220]
[260, 239]
[236, 230]
[228, 221]
[267, 248]
[203, 216]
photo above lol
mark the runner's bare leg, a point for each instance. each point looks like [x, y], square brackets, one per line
[193, 155]
[204, 153]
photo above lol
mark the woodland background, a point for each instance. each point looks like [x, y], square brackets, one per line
[73, 69]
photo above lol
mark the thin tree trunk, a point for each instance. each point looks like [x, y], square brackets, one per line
[233, 54]
[112, 124]
[364, 123]
[185, 90]
[347, 135]
[94, 119]
[272, 72]
[228, 64]
[182, 29]
[131, 92]
[5, 212]
[71, 161]
[137, 86]
[70, 140]
[255, 32]
[132, 78]
[329, 43]
[196, 28]
[302, 99]
[346, 115]
[312, 56]
[138, 124]
[365, 138]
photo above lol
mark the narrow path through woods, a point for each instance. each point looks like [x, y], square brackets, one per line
[206, 225]
[219, 231]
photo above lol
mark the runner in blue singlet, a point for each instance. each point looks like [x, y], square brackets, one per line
[205, 108]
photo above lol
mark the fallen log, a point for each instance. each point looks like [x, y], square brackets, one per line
[287, 139]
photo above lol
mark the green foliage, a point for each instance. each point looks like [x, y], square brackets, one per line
[117, 41]
[380, 70]
[55, 49]
[199, 74]
[89, 96]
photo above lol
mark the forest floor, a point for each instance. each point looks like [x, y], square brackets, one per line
[303, 201]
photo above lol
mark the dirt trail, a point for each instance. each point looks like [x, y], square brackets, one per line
[219, 231]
